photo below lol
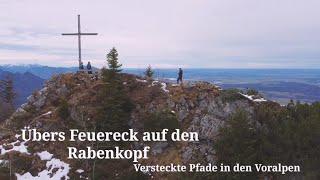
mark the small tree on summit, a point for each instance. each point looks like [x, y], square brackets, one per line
[112, 58]
[149, 72]
[115, 108]
[113, 65]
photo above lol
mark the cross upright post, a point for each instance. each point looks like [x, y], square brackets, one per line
[79, 38]
[79, 34]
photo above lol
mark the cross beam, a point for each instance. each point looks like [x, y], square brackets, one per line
[79, 34]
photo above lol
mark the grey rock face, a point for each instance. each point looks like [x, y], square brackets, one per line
[62, 91]
[205, 115]
[159, 147]
[39, 98]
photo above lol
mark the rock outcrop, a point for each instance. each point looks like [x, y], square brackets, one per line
[199, 107]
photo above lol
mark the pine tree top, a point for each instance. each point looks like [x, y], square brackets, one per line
[149, 72]
[112, 60]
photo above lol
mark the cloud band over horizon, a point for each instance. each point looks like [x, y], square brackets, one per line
[164, 34]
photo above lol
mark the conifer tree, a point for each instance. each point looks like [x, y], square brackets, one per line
[115, 107]
[7, 96]
[63, 109]
[238, 143]
[8, 93]
[114, 66]
[273, 134]
[112, 59]
[149, 72]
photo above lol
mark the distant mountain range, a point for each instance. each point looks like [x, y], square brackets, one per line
[280, 85]
[28, 78]
[44, 72]
[24, 84]
[282, 91]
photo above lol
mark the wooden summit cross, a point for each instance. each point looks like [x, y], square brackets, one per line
[79, 34]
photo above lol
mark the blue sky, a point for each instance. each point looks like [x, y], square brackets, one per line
[165, 34]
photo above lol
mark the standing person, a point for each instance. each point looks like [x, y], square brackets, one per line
[180, 75]
[89, 68]
[81, 66]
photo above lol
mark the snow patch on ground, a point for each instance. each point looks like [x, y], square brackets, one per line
[17, 136]
[43, 90]
[56, 170]
[20, 110]
[79, 171]
[141, 80]
[252, 98]
[45, 155]
[46, 114]
[218, 87]
[164, 87]
[3, 162]
[154, 83]
[22, 148]
[17, 146]
[260, 100]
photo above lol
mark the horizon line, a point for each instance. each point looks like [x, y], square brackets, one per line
[226, 68]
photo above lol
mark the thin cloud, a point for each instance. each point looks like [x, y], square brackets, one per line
[186, 33]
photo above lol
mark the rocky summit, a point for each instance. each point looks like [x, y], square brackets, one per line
[196, 107]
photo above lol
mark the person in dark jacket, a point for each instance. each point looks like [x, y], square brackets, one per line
[81, 66]
[89, 68]
[180, 76]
